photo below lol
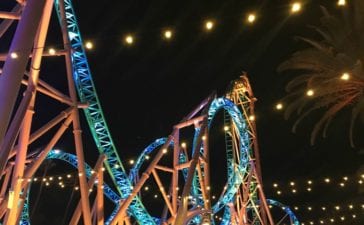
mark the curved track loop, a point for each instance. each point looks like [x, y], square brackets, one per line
[240, 176]
[288, 212]
[72, 160]
[243, 189]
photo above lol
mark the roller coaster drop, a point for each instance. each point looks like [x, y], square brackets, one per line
[242, 200]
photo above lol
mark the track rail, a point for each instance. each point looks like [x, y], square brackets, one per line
[95, 117]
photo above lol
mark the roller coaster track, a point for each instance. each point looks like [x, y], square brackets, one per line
[95, 118]
[241, 202]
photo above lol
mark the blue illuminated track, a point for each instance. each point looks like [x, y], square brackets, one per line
[235, 172]
[72, 160]
[95, 118]
[289, 212]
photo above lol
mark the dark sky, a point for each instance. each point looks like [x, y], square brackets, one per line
[146, 88]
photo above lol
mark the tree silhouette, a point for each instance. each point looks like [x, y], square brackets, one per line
[329, 74]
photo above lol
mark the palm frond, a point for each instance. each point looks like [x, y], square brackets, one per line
[357, 109]
[319, 66]
[331, 112]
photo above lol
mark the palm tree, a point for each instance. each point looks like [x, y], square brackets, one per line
[330, 71]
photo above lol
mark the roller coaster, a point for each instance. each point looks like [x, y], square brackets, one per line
[182, 173]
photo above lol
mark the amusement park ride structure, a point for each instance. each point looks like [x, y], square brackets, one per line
[242, 200]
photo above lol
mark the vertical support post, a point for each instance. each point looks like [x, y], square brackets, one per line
[77, 131]
[77, 212]
[17, 179]
[206, 168]
[127, 220]
[16, 185]
[176, 149]
[100, 197]
[182, 209]
[14, 67]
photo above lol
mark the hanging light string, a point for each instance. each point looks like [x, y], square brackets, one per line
[168, 34]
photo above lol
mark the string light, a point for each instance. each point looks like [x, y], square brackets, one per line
[310, 92]
[345, 76]
[251, 18]
[341, 2]
[52, 51]
[14, 55]
[209, 24]
[279, 106]
[129, 39]
[168, 34]
[296, 7]
[89, 45]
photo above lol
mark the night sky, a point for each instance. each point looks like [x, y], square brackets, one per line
[149, 86]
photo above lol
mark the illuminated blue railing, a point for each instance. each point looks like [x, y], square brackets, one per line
[289, 212]
[95, 118]
[234, 171]
[72, 160]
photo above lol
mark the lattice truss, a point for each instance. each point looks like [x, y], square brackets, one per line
[181, 173]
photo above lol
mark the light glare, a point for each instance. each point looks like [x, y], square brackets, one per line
[345, 76]
[89, 45]
[168, 34]
[296, 7]
[52, 51]
[129, 39]
[341, 2]
[209, 25]
[13, 55]
[251, 17]
[310, 92]
[279, 106]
